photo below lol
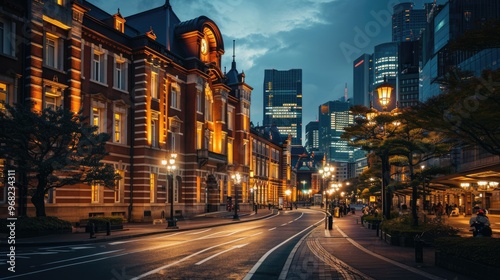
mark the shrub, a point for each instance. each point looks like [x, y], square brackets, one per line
[430, 230]
[33, 226]
[480, 250]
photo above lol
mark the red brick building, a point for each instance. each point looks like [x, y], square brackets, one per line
[155, 84]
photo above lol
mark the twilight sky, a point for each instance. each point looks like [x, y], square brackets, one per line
[322, 37]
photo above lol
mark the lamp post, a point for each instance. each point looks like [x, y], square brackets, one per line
[171, 168]
[288, 193]
[236, 179]
[254, 194]
[384, 96]
[325, 173]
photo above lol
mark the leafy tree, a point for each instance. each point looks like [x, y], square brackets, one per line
[54, 148]
[372, 133]
[414, 146]
[467, 110]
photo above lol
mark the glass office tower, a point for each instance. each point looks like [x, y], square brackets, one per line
[283, 102]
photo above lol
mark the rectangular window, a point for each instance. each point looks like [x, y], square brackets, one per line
[50, 52]
[99, 66]
[154, 83]
[175, 98]
[119, 186]
[152, 187]
[98, 117]
[198, 101]
[53, 97]
[118, 127]
[3, 96]
[230, 118]
[120, 75]
[230, 151]
[155, 130]
[95, 193]
[208, 109]
[7, 37]
[53, 52]
[199, 136]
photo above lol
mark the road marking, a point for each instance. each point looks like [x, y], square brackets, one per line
[199, 232]
[83, 257]
[272, 228]
[264, 257]
[222, 252]
[184, 259]
[327, 233]
[403, 266]
[143, 239]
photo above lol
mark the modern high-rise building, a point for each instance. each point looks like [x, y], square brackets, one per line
[447, 23]
[312, 136]
[334, 116]
[362, 80]
[283, 102]
[407, 22]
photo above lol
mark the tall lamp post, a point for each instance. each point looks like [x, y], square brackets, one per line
[171, 168]
[384, 96]
[288, 193]
[236, 179]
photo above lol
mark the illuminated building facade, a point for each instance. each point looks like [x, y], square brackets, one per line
[283, 102]
[151, 81]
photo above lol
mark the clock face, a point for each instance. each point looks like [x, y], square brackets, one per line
[204, 46]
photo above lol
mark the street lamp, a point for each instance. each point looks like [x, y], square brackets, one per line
[254, 194]
[288, 193]
[384, 96]
[236, 179]
[171, 168]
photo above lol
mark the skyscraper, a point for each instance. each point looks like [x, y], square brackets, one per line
[362, 82]
[334, 116]
[407, 23]
[283, 102]
[312, 136]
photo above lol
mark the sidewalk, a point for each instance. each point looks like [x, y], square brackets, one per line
[326, 253]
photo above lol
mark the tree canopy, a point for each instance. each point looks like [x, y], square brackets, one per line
[53, 148]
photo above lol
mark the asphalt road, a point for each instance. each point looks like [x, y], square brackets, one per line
[252, 250]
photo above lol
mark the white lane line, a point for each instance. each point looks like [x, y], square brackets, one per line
[199, 232]
[403, 266]
[222, 252]
[272, 228]
[83, 257]
[143, 239]
[263, 258]
[183, 259]
[327, 233]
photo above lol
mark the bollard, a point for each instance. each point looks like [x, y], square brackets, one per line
[330, 222]
[92, 230]
[108, 228]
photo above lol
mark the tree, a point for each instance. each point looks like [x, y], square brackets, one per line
[54, 148]
[467, 110]
[413, 146]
